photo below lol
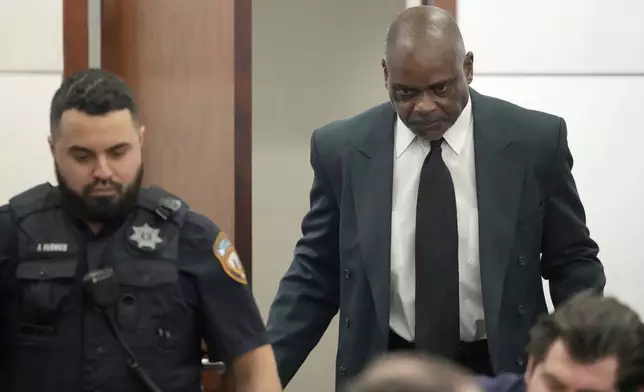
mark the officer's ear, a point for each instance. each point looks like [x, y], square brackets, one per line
[141, 134]
[529, 369]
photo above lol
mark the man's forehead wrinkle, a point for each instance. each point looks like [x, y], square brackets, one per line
[419, 22]
[422, 26]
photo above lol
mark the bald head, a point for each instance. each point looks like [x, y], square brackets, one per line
[412, 372]
[427, 71]
[424, 26]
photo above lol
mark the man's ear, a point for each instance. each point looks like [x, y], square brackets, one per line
[383, 62]
[468, 66]
[52, 148]
[141, 134]
[529, 369]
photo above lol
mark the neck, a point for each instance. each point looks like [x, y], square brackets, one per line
[94, 227]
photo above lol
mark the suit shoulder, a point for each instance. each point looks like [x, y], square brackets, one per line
[536, 133]
[5, 216]
[198, 232]
[340, 134]
[7, 232]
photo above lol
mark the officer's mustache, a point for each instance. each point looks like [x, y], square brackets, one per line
[103, 185]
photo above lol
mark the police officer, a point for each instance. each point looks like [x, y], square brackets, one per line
[108, 286]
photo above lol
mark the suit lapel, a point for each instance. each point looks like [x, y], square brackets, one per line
[371, 179]
[499, 180]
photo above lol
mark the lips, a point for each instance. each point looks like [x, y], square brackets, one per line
[109, 191]
[428, 127]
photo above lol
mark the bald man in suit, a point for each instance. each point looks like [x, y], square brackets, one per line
[433, 219]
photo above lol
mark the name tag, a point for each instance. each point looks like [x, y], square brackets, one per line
[52, 247]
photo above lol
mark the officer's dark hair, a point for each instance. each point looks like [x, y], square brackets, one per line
[92, 91]
[592, 327]
[431, 374]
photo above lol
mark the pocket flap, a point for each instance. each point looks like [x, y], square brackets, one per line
[44, 270]
[532, 216]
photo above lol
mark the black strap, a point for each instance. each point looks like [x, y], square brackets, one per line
[132, 363]
[164, 204]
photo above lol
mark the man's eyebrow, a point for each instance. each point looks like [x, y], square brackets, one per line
[86, 150]
[119, 146]
[400, 85]
[438, 83]
[75, 148]
[445, 81]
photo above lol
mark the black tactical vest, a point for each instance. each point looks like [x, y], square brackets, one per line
[59, 341]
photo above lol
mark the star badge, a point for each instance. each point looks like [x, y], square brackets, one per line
[146, 236]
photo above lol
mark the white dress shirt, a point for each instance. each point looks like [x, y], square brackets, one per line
[458, 153]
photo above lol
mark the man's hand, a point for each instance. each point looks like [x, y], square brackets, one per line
[256, 371]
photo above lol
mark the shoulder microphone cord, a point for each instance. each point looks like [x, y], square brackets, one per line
[132, 363]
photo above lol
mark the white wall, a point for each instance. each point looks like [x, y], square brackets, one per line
[554, 36]
[586, 65]
[313, 62]
[31, 66]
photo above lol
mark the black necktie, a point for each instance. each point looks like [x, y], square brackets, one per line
[437, 313]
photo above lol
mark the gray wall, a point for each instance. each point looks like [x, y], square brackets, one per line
[313, 62]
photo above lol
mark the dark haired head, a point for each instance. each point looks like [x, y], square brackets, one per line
[412, 372]
[584, 344]
[632, 373]
[96, 143]
[93, 91]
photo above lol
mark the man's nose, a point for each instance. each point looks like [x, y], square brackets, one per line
[426, 103]
[103, 171]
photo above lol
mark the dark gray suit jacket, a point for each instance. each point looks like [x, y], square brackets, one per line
[531, 225]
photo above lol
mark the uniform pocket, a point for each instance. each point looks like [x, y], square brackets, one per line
[35, 353]
[44, 287]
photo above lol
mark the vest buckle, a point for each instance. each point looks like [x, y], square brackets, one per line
[167, 207]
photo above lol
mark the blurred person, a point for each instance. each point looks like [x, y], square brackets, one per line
[433, 219]
[109, 286]
[589, 344]
[632, 377]
[412, 372]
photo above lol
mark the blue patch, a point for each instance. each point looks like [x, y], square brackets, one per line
[222, 247]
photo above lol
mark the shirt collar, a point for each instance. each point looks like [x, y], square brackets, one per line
[455, 135]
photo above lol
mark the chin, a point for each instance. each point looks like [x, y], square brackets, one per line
[430, 134]
[103, 200]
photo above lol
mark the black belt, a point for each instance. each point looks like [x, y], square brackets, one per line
[473, 355]
[397, 343]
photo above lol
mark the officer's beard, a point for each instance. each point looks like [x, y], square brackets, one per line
[100, 209]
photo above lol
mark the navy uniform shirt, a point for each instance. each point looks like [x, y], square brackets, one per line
[7, 254]
[209, 262]
[211, 278]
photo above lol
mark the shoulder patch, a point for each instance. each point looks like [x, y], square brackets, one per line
[225, 252]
